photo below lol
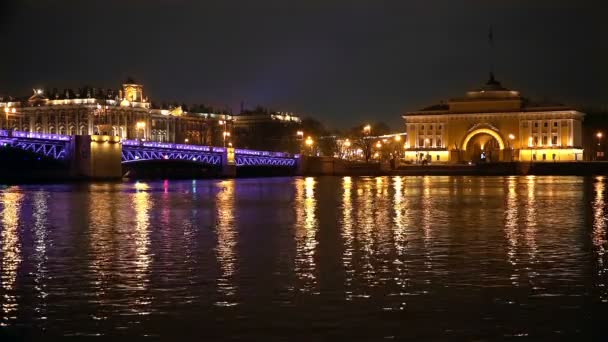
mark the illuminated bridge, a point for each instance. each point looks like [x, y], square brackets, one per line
[97, 151]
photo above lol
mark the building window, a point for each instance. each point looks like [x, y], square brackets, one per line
[555, 124]
[438, 142]
[536, 124]
[431, 127]
[544, 156]
[535, 141]
[437, 157]
[422, 127]
[544, 140]
[534, 156]
[554, 156]
[546, 124]
[439, 127]
[420, 142]
[554, 140]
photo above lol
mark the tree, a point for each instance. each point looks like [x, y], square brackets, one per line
[364, 139]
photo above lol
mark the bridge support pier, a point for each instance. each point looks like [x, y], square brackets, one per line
[228, 163]
[96, 157]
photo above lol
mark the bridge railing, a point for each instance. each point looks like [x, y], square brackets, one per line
[265, 153]
[153, 144]
[30, 135]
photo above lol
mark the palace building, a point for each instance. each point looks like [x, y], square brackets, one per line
[126, 113]
[493, 124]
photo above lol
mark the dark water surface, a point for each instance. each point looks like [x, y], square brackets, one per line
[307, 259]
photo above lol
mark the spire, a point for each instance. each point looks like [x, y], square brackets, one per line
[491, 51]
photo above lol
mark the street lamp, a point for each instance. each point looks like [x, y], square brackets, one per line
[225, 134]
[397, 138]
[598, 153]
[511, 138]
[367, 129]
[309, 143]
[347, 145]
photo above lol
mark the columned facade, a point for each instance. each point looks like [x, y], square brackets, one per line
[125, 113]
[493, 124]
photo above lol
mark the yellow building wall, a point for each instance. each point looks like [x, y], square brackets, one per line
[561, 155]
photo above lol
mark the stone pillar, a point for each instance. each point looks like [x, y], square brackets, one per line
[96, 157]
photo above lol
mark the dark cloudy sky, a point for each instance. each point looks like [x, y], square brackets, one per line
[343, 62]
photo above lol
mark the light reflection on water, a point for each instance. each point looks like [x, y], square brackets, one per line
[355, 257]
[11, 252]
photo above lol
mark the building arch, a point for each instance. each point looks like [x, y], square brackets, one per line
[483, 130]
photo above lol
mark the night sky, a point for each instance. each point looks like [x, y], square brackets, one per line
[342, 62]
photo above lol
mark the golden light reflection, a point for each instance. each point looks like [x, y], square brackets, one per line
[511, 226]
[11, 251]
[142, 204]
[40, 214]
[427, 207]
[365, 234]
[530, 229]
[306, 230]
[400, 238]
[348, 237]
[599, 234]
[101, 247]
[226, 244]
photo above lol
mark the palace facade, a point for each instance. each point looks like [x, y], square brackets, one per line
[493, 123]
[126, 113]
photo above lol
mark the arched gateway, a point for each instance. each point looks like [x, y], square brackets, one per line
[482, 145]
[493, 124]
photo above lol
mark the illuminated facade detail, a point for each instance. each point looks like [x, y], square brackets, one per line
[126, 113]
[493, 124]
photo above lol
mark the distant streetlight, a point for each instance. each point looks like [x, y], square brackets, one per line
[347, 143]
[225, 134]
[367, 129]
[309, 143]
[599, 136]
[186, 140]
[300, 134]
[397, 138]
[378, 144]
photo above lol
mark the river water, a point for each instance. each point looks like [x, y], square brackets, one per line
[307, 259]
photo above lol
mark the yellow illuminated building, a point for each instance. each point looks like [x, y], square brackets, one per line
[493, 124]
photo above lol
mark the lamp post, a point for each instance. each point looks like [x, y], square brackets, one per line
[300, 138]
[511, 138]
[309, 142]
[598, 153]
[225, 134]
[347, 145]
[531, 144]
